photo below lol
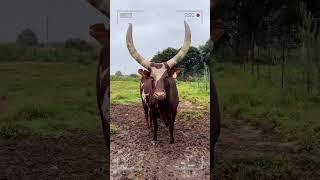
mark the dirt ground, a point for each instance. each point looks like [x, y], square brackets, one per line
[133, 156]
[79, 157]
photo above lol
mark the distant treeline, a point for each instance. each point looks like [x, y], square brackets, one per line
[258, 31]
[13, 53]
[28, 38]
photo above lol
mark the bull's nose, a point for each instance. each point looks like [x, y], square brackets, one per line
[160, 95]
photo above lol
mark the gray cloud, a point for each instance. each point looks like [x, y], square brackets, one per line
[67, 18]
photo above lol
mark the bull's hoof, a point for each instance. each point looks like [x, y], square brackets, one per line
[150, 133]
[153, 142]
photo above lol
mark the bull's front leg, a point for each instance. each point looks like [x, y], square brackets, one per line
[154, 119]
[171, 128]
[146, 115]
[150, 121]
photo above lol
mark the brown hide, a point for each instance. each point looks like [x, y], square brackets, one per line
[217, 30]
[99, 32]
[145, 92]
[166, 109]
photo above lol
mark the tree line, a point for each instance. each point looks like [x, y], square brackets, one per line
[28, 38]
[194, 64]
[271, 32]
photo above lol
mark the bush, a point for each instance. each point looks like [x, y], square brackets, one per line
[118, 73]
[27, 38]
[77, 43]
[134, 75]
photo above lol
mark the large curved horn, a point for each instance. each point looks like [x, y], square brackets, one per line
[183, 51]
[101, 5]
[133, 52]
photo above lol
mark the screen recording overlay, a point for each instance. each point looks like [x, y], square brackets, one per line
[159, 89]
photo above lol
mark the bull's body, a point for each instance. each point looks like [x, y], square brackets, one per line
[145, 93]
[158, 88]
[101, 34]
[164, 109]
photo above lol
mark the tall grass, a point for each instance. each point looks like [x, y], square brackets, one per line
[289, 112]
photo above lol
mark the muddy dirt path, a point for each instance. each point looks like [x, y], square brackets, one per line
[133, 156]
[244, 143]
[83, 156]
[79, 157]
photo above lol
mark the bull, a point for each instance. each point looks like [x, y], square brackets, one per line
[158, 88]
[101, 34]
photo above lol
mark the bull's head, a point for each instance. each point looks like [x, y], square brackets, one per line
[100, 33]
[159, 72]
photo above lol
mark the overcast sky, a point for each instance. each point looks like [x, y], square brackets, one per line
[157, 24]
[67, 18]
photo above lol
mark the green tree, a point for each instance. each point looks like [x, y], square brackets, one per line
[118, 73]
[27, 38]
[205, 51]
[164, 55]
[310, 47]
[192, 64]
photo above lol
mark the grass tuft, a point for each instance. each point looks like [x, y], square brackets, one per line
[257, 166]
[113, 129]
[190, 115]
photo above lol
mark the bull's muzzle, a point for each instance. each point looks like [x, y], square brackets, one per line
[159, 95]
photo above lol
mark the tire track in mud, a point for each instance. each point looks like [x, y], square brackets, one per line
[133, 156]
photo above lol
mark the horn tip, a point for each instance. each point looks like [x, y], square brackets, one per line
[186, 24]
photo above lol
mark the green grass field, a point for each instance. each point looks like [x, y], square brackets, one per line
[290, 114]
[127, 91]
[50, 98]
[47, 99]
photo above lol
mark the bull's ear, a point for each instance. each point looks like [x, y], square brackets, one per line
[140, 73]
[143, 73]
[146, 73]
[175, 73]
[99, 32]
